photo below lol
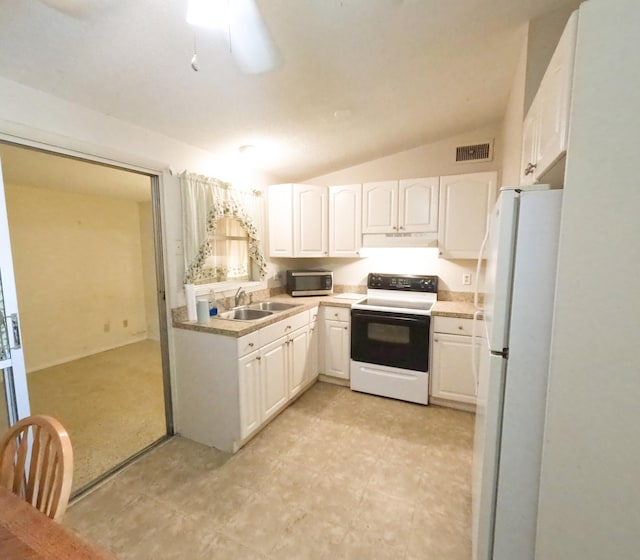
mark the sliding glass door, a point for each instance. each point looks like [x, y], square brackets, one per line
[14, 398]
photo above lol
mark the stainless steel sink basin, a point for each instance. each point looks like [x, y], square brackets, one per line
[272, 306]
[245, 314]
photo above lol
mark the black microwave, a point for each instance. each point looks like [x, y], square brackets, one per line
[309, 282]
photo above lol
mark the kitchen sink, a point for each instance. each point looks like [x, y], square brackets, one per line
[245, 314]
[272, 306]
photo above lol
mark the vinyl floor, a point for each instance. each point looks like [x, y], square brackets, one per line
[337, 475]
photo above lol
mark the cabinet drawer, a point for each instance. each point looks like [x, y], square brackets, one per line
[452, 325]
[337, 313]
[286, 326]
[249, 343]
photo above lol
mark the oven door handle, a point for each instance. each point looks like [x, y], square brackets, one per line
[372, 315]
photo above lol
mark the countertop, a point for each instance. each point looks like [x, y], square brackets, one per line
[235, 328]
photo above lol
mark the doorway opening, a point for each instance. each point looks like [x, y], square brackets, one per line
[86, 245]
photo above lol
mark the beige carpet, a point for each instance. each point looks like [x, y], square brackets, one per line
[111, 403]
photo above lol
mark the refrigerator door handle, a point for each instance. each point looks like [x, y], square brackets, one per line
[474, 350]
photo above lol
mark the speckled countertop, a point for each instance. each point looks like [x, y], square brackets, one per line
[235, 328]
[240, 328]
[457, 309]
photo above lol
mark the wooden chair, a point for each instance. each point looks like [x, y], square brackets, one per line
[36, 463]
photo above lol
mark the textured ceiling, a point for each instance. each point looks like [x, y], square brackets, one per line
[400, 73]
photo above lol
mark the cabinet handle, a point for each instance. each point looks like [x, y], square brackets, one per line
[394, 227]
[335, 314]
[251, 345]
[401, 227]
[460, 327]
[258, 358]
[346, 328]
[529, 170]
[288, 327]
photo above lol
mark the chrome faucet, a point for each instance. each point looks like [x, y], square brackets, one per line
[239, 294]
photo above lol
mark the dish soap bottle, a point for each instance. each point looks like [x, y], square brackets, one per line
[213, 308]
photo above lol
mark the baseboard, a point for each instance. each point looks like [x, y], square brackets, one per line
[86, 354]
[334, 380]
[467, 407]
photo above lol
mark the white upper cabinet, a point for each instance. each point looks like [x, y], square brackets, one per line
[310, 206]
[546, 126]
[380, 207]
[418, 205]
[280, 215]
[345, 220]
[406, 206]
[465, 204]
[298, 221]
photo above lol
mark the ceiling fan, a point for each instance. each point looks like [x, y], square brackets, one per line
[250, 42]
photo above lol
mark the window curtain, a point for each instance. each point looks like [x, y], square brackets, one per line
[205, 201]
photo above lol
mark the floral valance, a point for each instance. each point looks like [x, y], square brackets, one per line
[204, 202]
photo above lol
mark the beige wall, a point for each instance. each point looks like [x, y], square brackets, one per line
[147, 245]
[512, 124]
[79, 273]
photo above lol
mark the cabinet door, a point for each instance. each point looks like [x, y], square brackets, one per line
[530, 129]
[418, 205]
[380, 207]
[554, 98]
[251, 406]
[345, 220]
[313, 365]
[452, 372]
[297, 347]
[336, 349]
[274, 377]
[280, 214]
[310, 221]
[465, 205]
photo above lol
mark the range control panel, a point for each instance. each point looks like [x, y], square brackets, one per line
[402, 282]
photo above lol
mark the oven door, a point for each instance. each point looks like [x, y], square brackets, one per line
[398, 340]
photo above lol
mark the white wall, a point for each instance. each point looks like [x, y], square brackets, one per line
[33, 117]
[590, 492]
[543, 36]
[428, 160]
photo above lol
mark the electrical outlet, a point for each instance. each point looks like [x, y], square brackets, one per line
[466, 279]
[107, 326]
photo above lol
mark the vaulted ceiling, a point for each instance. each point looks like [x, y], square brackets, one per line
[359, 79]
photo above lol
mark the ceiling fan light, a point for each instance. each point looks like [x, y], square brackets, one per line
[213, 14]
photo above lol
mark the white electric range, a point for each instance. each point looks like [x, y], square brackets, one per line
[390, 336]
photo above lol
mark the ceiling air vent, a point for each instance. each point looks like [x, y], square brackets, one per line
[475, 152]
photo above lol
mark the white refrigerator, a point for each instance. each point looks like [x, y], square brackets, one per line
[519, 282]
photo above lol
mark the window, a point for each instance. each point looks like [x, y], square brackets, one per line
[229, 259]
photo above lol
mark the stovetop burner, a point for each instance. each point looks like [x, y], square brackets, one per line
[400, 293]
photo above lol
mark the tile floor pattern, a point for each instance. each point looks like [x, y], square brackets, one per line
[338, 475]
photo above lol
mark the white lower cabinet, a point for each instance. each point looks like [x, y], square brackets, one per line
[313, 355]
[336, 342]
[297, 347]
[249, 380]
[227, 388]
[452, 376]
[274, 376]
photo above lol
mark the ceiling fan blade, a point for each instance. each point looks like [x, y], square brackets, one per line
[77, 8]
[252, 46]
